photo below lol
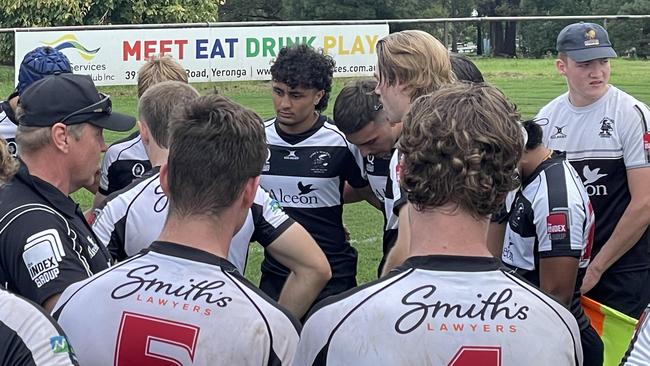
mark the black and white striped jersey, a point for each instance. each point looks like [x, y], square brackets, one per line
[8, 127]
[638, 354]
[178, 304]
[124, 161]
[306, 173]
[377, 170]
[45, 241]
[30, 337]
[550, 216]
[441, 310]
[602, 141]
[132, 219]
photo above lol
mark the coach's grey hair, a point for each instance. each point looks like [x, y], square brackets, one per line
[30, 139]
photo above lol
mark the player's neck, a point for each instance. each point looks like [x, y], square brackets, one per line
[532, 159]
[157, 155]
[200, 232]
[447, 231]
[578, 100]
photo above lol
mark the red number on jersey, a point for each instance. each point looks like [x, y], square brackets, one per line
[471, 356]
[134, 340]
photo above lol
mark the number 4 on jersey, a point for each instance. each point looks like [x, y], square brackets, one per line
[472, 356]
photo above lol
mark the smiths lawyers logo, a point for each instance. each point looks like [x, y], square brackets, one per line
[590, 178]
[291, 155]
[42, 254]
[71, 41]
[557, 225]
[559, 133]
[303, 197]
[606, 127]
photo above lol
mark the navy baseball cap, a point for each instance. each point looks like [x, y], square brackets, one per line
[40, 62]
[69, 99]
[585, 42]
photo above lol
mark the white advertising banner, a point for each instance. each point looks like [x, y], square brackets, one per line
[113, 57]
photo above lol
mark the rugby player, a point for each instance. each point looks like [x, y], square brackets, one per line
[181, 300]
[451, 302]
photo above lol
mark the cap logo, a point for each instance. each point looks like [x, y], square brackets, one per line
[590, 38]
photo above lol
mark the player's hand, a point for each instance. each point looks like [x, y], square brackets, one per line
[592, 277]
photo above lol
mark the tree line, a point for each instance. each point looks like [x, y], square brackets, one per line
[508, 39]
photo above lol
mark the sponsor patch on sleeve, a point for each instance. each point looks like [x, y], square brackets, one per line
[59, 344]
[556, 225]
[42, 254]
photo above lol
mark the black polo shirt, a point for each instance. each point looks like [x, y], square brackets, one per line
[45, 242]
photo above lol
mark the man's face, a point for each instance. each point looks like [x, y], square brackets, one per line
[85, 154]
[587, 81]
[377, 137]
[394, 98]
[294, 106]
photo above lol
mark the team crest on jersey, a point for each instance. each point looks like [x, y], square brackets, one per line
[267, 163]
[12, 148]
[291, 155]
[320, 161]
[557, 225]
[370, 163]
[42, 254]
[606, 127]
[516, 215]
[138, 170]
[559, 134]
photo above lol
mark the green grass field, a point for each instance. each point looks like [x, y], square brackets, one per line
[528, 83]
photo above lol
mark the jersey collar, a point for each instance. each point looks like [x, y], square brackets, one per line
[451, 263]
[189, 253]
[295, 139]
[50, 193]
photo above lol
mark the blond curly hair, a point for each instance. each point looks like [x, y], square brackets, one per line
[460, 145]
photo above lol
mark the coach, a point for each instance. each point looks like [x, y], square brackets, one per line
[45, 243]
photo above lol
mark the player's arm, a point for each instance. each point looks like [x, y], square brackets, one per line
[557, 277]
[628, 230]
[351, 195]
[310, 271]
[400, 251]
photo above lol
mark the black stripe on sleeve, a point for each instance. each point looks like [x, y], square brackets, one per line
[556, 191]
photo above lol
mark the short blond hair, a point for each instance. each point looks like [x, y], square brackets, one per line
[461, 145]
[157, 69]
[416, 59]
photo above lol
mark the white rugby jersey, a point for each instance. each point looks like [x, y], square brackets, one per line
[638, 354]
[29, 337]
[602, 141]
[124, 161]
[550, 216]
[133, 219]
[8, 129]
[179, 304]
[306, 173]
[441, 310]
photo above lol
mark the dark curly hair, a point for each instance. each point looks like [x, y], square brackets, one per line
[302, 66]
[461, 145]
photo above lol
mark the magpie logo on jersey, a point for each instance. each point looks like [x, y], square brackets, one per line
[42, 254]
[137, 170]
[496, 312]
[370, 163]
[557, 225]
[606, 127]
[291, 155]
[320, 161]
[559, 134]
[591, 177]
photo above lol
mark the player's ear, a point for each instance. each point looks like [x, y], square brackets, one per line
[560, 65]
[164, 175]
[318, 96]
[60, 137]
[249, 191]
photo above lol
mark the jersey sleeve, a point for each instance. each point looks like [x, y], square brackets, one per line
[29, 337]
[110, 227]
[43, 257]
[635, 135]
[354, 173]
[269, 218]
[638, 353]
[398, 194]
[559, 215]
[107, 160]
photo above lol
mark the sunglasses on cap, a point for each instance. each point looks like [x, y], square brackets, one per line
[103, 106]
